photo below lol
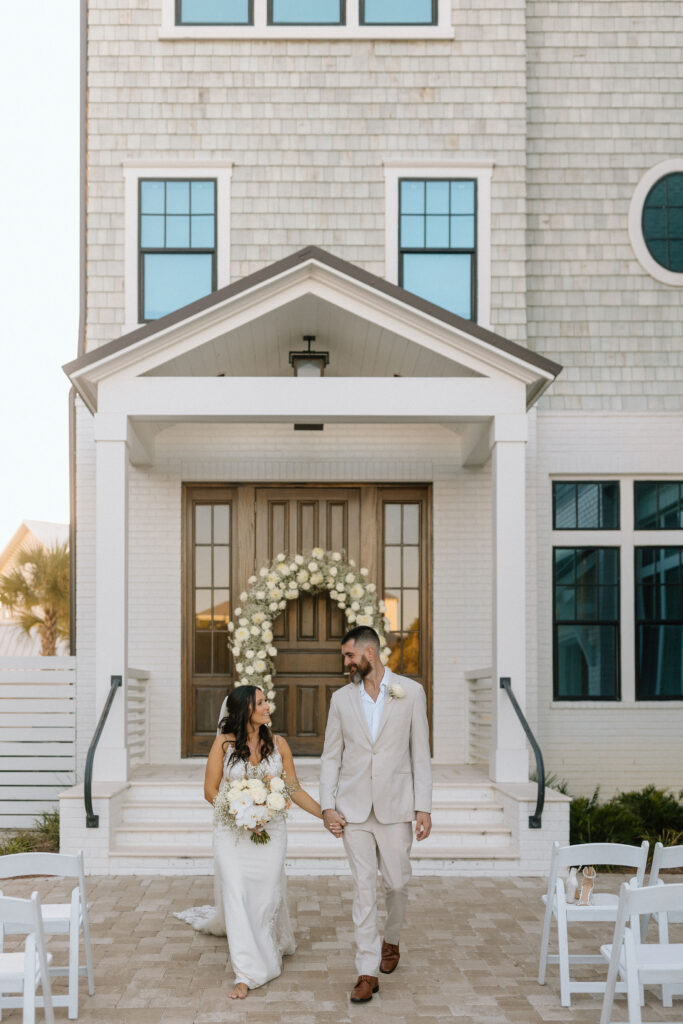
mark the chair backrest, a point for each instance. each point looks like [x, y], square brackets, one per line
[664, 857]
[613, 854]
[20, 913]
[64, 865]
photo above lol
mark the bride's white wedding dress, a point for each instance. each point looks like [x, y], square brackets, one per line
[250, 892]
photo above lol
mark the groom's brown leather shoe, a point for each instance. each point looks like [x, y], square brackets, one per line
[390, 958]
[363, 989]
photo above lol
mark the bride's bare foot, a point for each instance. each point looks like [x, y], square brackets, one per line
[240, 991]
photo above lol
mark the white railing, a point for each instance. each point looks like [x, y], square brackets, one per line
[479, 714]
[138, 717]
[37, 736]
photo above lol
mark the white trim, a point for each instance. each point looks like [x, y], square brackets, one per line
[482, 172]
[262, 30]
[635, 227]
[133, 170]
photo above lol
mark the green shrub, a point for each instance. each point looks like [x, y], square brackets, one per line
[44, 836]
[648, 813]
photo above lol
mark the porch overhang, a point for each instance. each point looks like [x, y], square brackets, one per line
[453, 370]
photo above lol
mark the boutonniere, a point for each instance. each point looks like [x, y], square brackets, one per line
[396, 691]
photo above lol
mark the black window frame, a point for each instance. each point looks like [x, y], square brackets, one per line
[657, 483]
[615, 624]
[315, 24]
[664, 698]
[237, 24]
[143, 251]
[583, 529]
[411, 24]
[473, 253]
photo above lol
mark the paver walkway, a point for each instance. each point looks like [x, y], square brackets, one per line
[470, 954]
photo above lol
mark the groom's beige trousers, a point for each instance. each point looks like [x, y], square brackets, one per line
[368, 845]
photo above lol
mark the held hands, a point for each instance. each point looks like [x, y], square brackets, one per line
[423, 825]
[334, 822]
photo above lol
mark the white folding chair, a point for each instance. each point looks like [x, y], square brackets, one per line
[602, 908]
[24, 972]
[666, 857]
[60, 918]
[639, 964]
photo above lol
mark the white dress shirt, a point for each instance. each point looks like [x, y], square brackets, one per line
[373, 708]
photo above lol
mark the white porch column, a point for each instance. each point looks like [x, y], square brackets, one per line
[111, 592]
[509, 757]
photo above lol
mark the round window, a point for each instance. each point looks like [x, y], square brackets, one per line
[663, 222]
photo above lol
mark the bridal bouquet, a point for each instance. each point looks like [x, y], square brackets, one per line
[249, 804]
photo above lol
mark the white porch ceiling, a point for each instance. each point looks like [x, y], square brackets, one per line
[357, 347]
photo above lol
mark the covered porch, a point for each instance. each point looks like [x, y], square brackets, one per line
[413, 397]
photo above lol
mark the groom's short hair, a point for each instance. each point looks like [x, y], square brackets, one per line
[364, 636]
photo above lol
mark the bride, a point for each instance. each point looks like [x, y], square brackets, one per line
[250, 878]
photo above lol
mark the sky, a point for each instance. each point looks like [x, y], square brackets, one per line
[39, 86]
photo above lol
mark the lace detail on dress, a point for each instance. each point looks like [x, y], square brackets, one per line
[239, 769]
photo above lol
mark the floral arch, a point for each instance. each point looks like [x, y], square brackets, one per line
[283, 580]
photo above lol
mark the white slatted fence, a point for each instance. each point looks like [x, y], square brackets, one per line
[479, 714]
[37, 736]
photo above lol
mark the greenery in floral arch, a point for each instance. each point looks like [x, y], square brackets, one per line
[283, 580]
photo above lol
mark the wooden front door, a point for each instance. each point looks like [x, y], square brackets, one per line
[230, 532]
[308, 633]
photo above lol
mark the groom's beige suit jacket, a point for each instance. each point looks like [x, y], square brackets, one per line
[393, 775]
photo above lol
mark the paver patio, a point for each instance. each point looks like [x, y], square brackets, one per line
[470, 954]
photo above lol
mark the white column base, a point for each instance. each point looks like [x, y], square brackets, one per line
[509, 765]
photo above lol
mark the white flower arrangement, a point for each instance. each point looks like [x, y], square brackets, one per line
[396, 691]
[251, 640]
[248, 804]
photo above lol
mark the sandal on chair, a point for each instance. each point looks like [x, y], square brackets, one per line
[589, 874]
[572, 886]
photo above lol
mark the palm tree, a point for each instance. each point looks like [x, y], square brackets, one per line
[37, 592]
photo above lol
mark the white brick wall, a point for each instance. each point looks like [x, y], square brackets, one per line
[622, 745]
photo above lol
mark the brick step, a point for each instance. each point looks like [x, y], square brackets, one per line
[172, 838]
[464, 862]
[186, 812]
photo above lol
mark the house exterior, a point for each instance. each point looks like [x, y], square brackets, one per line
[473, 216]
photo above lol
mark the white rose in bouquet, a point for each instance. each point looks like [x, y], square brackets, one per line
[277, 785]
[257, 791]
[276, 801]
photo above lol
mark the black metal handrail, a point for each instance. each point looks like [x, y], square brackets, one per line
[92, 820]
[535, 818]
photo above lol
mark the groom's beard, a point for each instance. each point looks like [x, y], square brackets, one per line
[360, 672]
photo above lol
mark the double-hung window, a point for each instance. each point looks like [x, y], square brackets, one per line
[177, 243]
[586, 594]
[659, 592]
[437, 242]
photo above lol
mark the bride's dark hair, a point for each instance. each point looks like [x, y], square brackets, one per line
[240, 708]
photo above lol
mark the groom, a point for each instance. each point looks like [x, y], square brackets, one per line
[375, 778]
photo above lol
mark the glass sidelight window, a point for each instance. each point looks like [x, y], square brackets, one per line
[212, 557]
[403, 584]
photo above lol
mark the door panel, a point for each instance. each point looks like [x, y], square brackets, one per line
[308, 632]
